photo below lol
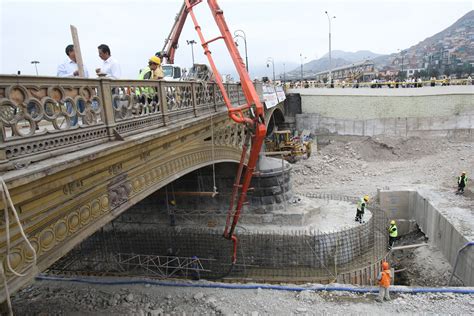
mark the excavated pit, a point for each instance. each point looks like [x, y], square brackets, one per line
[282, 237]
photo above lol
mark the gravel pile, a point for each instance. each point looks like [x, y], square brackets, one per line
[61, 298]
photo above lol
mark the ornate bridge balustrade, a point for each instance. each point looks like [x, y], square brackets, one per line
[42, 117]
[76, 153]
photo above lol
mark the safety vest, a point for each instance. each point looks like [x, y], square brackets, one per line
[463, 180]
[385, 280]
[361, 204]
[393, 231]
[145, 74]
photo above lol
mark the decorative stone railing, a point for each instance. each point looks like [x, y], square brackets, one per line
[41, 117]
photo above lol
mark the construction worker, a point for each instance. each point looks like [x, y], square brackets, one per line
[171, 212]
[152, 72]
[392, 234]
[462, 182]
[384, 279]
[361, 204]
[195, 267]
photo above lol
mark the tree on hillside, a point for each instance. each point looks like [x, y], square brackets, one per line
[467, 68]
[433, 72]
[459, 71]
[423, 74]
[447, 71]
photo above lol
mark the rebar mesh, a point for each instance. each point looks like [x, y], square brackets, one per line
[292, 255]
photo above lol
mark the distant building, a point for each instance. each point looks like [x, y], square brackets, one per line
[362, 71]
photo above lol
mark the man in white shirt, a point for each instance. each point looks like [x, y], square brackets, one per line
[110, 68]
[69, 68]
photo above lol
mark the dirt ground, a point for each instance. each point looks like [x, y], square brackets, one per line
[68, 298]
[362, 165]
[352, 167]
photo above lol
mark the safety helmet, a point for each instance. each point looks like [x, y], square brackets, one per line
[392, 222]
[385, 265]
[366, 198]
[155, 60]
[173, 202]
[464, 172]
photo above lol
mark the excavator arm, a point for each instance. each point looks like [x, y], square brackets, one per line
[250, 114]
[171, 42]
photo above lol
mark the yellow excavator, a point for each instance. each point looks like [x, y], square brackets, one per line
[292, 149]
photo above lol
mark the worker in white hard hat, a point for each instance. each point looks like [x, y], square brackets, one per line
[392, 234]
[361, 204]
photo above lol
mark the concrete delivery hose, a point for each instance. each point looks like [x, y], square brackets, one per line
[456, 290]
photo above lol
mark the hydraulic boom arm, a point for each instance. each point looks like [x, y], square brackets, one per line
[251, 114]
[171, 42]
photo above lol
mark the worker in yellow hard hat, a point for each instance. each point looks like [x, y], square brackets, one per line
[171, 212]
[462, 182]
[392, 234]
[152, 72]
[361, 204]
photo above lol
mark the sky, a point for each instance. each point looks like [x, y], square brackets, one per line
[280, 29]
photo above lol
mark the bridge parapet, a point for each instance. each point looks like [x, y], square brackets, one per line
[41, 117]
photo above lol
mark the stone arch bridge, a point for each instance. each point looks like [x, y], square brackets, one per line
[76, 153]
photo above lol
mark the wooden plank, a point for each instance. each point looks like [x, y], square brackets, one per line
[271, 153]
[409, 246]
[77, 50]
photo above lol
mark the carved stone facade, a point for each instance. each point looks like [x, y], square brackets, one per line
[44, 117]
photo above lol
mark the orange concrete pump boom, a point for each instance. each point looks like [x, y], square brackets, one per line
[251, 114]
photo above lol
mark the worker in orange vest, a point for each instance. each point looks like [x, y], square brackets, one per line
[384, 278]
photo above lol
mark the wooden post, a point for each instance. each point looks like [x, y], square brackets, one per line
[77, 50]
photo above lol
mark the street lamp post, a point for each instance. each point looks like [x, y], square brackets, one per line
[302, 60]
[284, 72]
[403, 55]
[192, 42]
[402, 52]
[241, 34]
[35, 62]
[330, 61]
[270, 60]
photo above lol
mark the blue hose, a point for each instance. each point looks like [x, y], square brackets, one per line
[456, 290]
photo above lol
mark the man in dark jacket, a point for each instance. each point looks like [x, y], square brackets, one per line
[462, 182]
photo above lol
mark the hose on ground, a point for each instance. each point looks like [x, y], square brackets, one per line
[396, 289]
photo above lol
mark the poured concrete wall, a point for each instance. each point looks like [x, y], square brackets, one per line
[396, 205]
[440, 111]
[447, 234]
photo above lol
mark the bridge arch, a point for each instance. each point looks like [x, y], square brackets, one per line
[274, 117]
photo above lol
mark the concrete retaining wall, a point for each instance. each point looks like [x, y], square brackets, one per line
[408, 206]
[459, 127]
[440, 111]
[363, 104]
